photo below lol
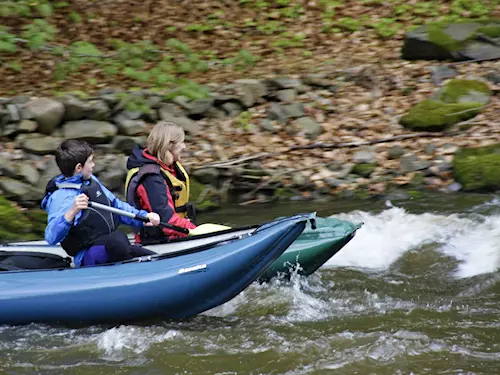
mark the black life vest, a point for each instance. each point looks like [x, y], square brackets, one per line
[93, 223]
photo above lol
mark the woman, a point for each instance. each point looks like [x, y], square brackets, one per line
[157, 182]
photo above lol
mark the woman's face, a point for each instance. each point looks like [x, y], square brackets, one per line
[177, 149]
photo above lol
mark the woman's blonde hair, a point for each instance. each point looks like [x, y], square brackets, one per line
[164, 136]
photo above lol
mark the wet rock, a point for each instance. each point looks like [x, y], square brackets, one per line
[89, 130]
[48, 114]
[430, 149]
[454, 187]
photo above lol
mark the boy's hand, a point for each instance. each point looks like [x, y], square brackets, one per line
[81, 202]
[154, 219]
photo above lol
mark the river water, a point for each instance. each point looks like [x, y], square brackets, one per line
[413, 293]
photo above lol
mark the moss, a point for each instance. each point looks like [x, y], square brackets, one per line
[415, 194]
[478, 169]
[209, 202]
[433, 115]
[492, 31]
[16, 224]
[364, 169]
[457, 88]
[438, 36]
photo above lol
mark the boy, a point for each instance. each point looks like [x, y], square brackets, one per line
[87, 234]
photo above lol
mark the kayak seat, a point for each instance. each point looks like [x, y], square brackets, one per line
[30, 260]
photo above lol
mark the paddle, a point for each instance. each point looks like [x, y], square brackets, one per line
[201, 229]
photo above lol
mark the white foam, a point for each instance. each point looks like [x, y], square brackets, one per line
[472, 239]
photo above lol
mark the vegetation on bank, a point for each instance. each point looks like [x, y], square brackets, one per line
[76, 45]
[478, 169]
[19, 224]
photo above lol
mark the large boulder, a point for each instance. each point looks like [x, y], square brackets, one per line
[457, 101]
[89, 130]
[478, 169]
[458, 41]
[48, 113]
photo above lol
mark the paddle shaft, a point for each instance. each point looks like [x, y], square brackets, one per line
[144, 219]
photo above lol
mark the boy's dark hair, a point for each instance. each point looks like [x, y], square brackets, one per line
[71, 152]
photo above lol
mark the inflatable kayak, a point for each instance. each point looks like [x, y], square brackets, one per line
[176, 284]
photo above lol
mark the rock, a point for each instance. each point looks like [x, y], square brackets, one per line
[449, 148]
[440, 73]
[395, 152]
[29, 173]
[457, 101]
[169, 110]
[477, 169]
[346, 170]
[299, 180]
[75, 108]
[364, 157]
[206, 175]
[287, 95]
[430, 149]
[17, 190]
[397, 194]
[267, 125]
[89, 130]
[334, 182]
[127, 126]
[98, 110]
[14, 112]
[276, 113]
[310, 128]
[42, 145]
[199, 107]
[48, 114]
[293, 110]
[125, 144]
[187, 124]
[284, 82]
[50, 169]
[493, 77]
[459, 41]
[232, 109]
[454, 187]
[318, 80]
[113, 177]
[27, 126]
[131, 115]
[364, 169]
[412, 163]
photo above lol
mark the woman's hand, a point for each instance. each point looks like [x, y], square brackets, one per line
[154, 219]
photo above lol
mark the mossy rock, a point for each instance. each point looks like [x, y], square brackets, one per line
[478, 169]
[435, 115]
[364, 169]
[463, 40]
[209, 202]
[465, 91]
[19, 225]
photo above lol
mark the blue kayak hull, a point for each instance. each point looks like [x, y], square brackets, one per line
[164, 287]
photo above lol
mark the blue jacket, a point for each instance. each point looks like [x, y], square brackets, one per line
[59, 202]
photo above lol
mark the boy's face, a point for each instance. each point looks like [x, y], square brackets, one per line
[86, 169]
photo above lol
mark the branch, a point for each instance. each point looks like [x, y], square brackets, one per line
[467, 110]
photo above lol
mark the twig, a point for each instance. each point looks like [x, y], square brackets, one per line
[474, 60]
[467, 110]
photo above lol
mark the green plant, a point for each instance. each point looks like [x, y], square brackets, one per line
[7, 41]
[38, 33]
[243, 120]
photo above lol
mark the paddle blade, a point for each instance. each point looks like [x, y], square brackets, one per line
[207, 228]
